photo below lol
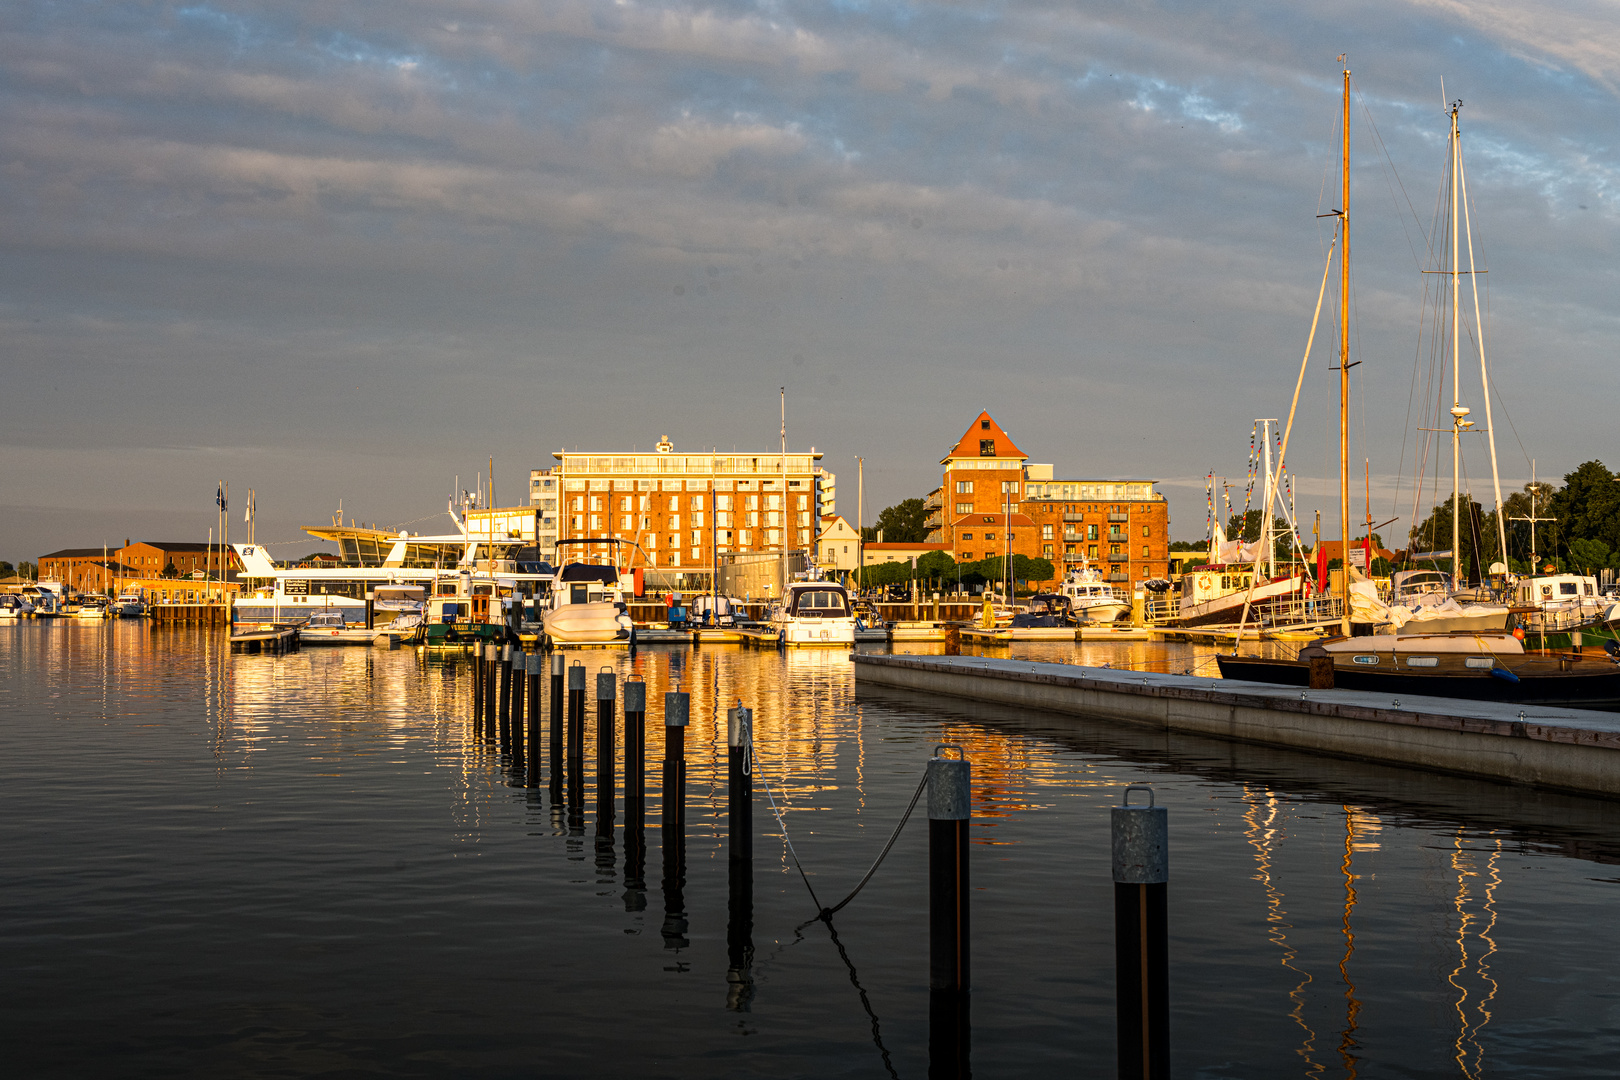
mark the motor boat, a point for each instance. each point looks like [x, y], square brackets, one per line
[327, 627]
[92, 607]
[1091, 599]
[588, 605]
[13, 606]
[129, 605]
[814, 613]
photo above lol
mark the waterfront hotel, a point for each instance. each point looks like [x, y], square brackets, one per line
[990, 489]
[682, 511]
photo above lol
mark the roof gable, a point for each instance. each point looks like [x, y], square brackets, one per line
[984, 433]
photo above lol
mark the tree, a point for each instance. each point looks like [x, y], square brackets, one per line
[6, 569]
[28, 570]
[936, 566]
[1189, 545]
[903, 523]
[1590, 556]
[170, 570]
[1588, 505]
[1477, 536]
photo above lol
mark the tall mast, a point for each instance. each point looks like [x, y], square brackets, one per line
[784, 496]
[1269, 545]
[1457, 410]
[1484, 373]
[1344, 360]
[860, 524]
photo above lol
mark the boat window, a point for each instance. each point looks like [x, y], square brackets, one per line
[824, 602]
[1588, 588]
[1566, 588]
[578, 593]
[1366, 659]
[1422, 661]
[1546, 590]
[1486, 662]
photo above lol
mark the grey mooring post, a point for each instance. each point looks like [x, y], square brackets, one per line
[490, 657]
[576, 721]
[1141, 843]
[948, 887]
[606, 789]
[740, 781]
[505, 714]
[531, 774]
[677, 707]
[635, 752]
[558, 667]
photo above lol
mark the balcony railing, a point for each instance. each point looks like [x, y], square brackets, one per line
[1119, 517]
[935, 521]
[1074, 517]
[933, 502]
[1118, 557]
[1119, 575]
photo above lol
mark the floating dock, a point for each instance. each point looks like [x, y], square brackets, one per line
[1564, 749]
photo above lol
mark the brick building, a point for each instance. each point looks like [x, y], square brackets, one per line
[150, 558]
[87, 570]
[990, 490]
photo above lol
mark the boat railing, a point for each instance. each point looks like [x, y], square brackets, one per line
[1162, 610]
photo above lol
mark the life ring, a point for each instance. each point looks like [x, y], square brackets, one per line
[1205, 581]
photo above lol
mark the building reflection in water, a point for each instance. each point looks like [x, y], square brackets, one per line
[1264, 833]
[1475, 904]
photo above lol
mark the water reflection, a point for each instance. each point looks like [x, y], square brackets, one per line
[291, 817]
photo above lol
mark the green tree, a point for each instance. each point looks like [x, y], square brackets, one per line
[1590, 556]
[936, 566]
[6, 569]
[1588, 505]
[1477, 536]
[170, 570]
[1189, 545]
[28, 570]
[903, 523]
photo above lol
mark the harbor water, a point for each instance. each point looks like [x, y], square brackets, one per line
[309, 865]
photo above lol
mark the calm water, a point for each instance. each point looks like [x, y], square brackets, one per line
[223, 865]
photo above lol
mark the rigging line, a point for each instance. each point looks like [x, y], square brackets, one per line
[866, 1003]
[1391, 170]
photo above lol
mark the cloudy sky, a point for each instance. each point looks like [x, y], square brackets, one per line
[349, 251]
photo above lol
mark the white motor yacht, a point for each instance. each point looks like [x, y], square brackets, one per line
[129, 605]
[1091, 599]
[587, 604]
[13, 606]
[814, 613]
[327, 627]
[92, 607]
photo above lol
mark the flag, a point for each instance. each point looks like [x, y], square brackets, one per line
[219, 497]
[249, 515]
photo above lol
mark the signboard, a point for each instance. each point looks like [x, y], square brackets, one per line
[295, 588]
[1358, 557]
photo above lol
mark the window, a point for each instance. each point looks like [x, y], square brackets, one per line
[964, 508]
[697, 541]
[646, 521]
[753, 517]
[642, 503]
[804, 536]
[674, 503]
[1566, 588]
[967, 536]
[674, 521]
[577, 503]
[746, 537]
[652, 540]
[1092, 551]
[1147, 531]
[624, 502]
[964, 487]
[773, 537]
[989, 536]
[1368, 660]
[984, 425]
[773, 502]
[1484, 662]
[625, 523]
[1046, 534]
[596, 502]
[596, 522]
[773, 517]
[804, 502]
[1046, 551]
[1009, 487]
[722, 518]
[1091, 532]
[967, 556]
[674, 541]
[674, 558]
[722, 502]
[697, 521]
[987, 448]
[1422, 661]
[1144, 551]
[753, 502]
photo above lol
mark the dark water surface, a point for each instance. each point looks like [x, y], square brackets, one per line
[221, 865]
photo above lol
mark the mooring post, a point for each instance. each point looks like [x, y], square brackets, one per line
[520, 671]
[740, 936]
[576, 719]
[531, 774]
[558, 666]
[505, 714]
[491, 657]
[606, 789]
[478, 688]
[677, 707]
[635, 752]
[740, 782]
[948, 816]
[953, 640]
[1141, 849]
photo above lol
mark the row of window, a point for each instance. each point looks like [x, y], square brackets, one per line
[965, 487]
[644, 503]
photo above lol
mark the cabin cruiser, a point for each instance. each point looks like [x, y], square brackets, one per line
[46, 598]
[814, 613]
[1556, 610]
[588, 604]
[1044, 611]
[1091, 599]
[92, 607]
[13, 606]
[1215, 594]
[129, 605]
[327, 627]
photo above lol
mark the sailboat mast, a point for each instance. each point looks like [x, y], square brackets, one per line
[784, 496]
[1457, 411]
[1344, 359]
[1270, 546]
[1484, 373]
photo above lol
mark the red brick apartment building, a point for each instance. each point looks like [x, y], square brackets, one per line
[991, 489]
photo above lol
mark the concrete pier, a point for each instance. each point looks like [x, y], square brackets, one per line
[1562, 749]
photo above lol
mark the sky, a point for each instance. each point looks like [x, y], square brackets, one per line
[345, 253]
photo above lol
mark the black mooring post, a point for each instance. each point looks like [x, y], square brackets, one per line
[478, 689]
[740, 937]
[533, 664]
[740, 781]
[635, 794]
[948, 814]
[491, 657]
[677, 707]
[520, 691]
[505, 714]
[606, 787]
[576, 719]
[1141, 843]
[558, 666]
[950, 1035]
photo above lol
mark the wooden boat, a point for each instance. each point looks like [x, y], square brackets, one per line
[1478, 667]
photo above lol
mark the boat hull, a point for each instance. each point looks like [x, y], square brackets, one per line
[587, 624]
[1539, 680]
[348, 636]
[800, 633]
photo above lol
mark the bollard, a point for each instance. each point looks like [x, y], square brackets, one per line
[576, 719]
[490, 659]
[677, 707]
[532, 773]
[1321, 666]
[504, 708]
[520, 670]
[605, 787]
[635, 752]
[478, 688]
[740, 782]
[948, 818]
[953, 640]
[556, 717]
[1141, 843]
[740, 936]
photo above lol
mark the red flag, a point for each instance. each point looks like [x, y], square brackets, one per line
[1321, 567]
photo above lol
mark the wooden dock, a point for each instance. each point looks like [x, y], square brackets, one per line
[278, 640]
[190, 614]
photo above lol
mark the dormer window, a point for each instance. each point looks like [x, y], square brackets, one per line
[984, 425]
[987, 448]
